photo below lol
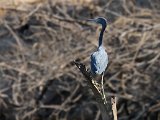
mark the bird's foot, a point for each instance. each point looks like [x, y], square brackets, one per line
[97, 86]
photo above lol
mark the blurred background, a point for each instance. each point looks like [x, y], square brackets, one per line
[40, 39]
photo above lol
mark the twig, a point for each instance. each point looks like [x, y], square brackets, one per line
[114, 108]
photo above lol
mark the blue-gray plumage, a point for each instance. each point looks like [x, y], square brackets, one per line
[99, 59]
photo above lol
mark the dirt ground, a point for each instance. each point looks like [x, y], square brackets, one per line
[39, 40]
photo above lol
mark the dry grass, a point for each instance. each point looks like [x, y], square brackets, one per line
[37, 47]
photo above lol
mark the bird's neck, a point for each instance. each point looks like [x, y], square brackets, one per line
[101, 35]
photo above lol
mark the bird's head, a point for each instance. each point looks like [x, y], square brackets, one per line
[99, 20]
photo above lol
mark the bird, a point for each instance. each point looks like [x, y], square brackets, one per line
[99, 59]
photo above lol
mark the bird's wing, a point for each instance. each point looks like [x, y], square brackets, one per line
[94, 58]
[98, 58]
[96, 62]
[93, 62]
[99, 61]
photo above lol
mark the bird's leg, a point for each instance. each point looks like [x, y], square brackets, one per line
[102, 87]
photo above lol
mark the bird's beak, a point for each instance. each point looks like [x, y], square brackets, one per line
[91, 20]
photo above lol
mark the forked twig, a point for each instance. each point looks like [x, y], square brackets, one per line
[105, 108]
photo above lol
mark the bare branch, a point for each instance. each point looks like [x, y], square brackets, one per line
[105, 108]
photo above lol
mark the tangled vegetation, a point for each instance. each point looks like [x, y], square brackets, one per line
[40, 41]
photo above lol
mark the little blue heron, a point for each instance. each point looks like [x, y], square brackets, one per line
[99, 59]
